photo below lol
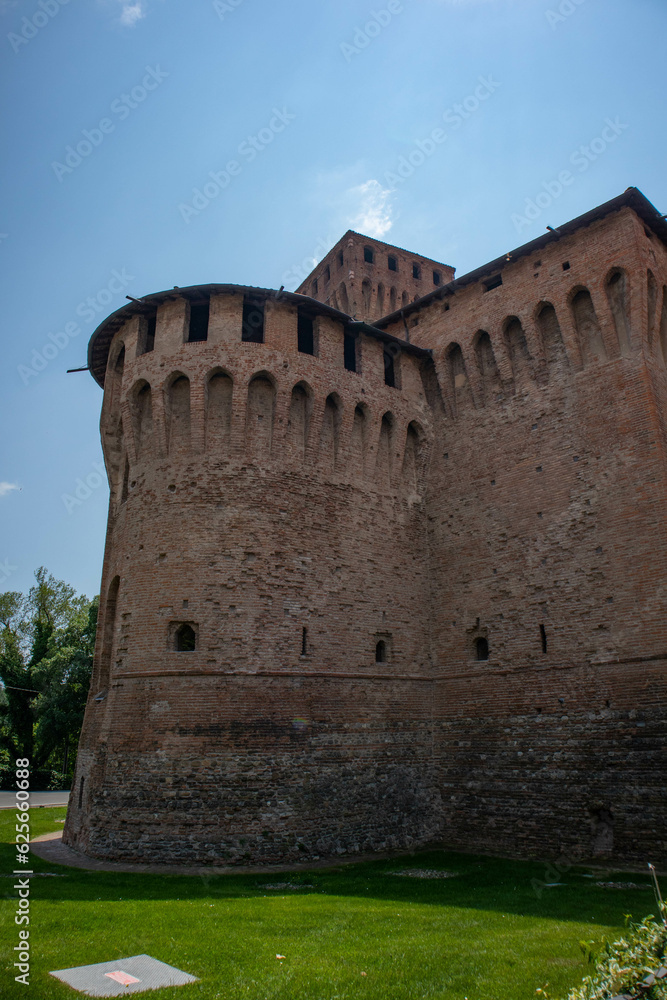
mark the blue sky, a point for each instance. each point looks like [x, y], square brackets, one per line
[318, 106]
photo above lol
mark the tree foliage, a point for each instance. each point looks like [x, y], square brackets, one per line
[47, 640]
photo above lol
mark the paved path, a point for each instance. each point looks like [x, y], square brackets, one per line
[37, 799]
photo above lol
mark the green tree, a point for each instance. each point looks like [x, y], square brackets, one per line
[63, 677]
[46, 648]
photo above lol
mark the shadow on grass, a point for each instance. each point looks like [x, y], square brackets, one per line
[481, 883]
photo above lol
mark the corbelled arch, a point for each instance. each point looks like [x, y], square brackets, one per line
[177, 410]
[299, 422]
[260, 415]
[617, 289]
[141, 407]
[587, 325]
[218, 406]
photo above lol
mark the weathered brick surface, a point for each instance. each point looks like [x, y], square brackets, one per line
[512, 489]
[370, 289]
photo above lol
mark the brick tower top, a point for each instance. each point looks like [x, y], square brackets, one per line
[367, 278]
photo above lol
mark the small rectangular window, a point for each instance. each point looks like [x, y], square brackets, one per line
[199, 314]
[253, 321]
[566, 265]
[305, 335]
[436, 278]
[327, 273]
[314, 286]
[340, 259]
[368, 255]
[492, 283]
[416, 271]
[392, 263]
[350, 352]
[147, 334]
[389, 369]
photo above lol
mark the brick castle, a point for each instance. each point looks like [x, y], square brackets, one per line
[386, 561]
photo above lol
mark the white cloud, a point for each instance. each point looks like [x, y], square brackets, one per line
[372, 212]
[6, 488]
[131, 13]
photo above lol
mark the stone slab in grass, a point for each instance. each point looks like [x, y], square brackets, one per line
[424, 873]
[122, 976]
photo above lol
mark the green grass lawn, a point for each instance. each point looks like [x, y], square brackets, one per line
[484, 935]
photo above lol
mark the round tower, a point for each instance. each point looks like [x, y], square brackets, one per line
[261, 680]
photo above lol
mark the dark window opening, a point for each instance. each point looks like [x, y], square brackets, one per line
[566, 265]
[81, 783]
[416, 271]
[350, 352]
[327, 273]
[368, 255]
[543, 637]
[392, 263]
[492, 283]
[304, 641]
[147, 341]
[253, 321]
[436, 277]
[199, 313]
[381, 652]
[186, 640]
[305, 334]
[340, 259]
[389, 370]
[482, 648]
[314, 286]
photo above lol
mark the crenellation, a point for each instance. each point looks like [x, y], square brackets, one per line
[172, 317]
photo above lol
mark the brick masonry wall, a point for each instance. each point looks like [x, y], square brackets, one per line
[546, 507]
[368, 290]
[250, 746]
[517, 480]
